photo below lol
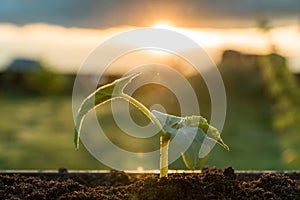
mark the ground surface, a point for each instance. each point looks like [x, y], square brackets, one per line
[210, 184]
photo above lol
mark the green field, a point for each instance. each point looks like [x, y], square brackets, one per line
[36, 130]
[37, 133]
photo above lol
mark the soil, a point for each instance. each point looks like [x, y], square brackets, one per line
[209, 184]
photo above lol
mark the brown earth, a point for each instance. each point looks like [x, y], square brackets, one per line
[209, 184]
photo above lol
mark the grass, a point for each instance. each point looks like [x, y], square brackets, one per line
[253, 143]
[36, 132]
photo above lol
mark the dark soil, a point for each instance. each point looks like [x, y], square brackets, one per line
[210, 184]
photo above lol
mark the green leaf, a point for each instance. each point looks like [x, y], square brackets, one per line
[102, 95]
[192, 133]
[190, 139]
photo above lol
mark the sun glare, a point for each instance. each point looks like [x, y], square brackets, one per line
[201, 37]
[163, 25]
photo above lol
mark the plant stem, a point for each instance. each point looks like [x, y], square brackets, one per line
[164, 138]
[164, 147]
[147, 112]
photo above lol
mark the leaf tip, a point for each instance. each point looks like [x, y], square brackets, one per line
[76, 145]
[226, 147]
[134, 75]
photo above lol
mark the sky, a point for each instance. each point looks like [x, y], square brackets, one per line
[63, 33]
[188, 13]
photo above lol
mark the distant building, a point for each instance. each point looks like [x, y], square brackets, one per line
[19, 74]
[232, 57]
[21, 65]
[31, 76]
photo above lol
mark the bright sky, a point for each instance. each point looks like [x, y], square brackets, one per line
[184, 13]
[66, 48]
[63, 33]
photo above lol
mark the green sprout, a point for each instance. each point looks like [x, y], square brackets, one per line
[193, 130]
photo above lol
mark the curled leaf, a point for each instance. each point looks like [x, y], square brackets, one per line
[193, 135]
[100, 96]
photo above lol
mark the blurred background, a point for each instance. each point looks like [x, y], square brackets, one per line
[255, 44]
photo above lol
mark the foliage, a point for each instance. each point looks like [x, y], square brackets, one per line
[282, 88]
[169, 125]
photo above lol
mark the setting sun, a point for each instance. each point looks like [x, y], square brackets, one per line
[203, 37]
[164, 25]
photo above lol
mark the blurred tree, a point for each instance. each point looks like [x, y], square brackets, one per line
[44, 81]
[265, 26]
[282, 88]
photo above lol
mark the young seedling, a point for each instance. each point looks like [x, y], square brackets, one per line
[193, 130]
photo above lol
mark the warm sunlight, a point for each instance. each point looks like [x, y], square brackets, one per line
[201, 37]
[37, 41]
[164, 25]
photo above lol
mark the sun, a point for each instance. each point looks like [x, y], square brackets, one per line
[163, 25]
